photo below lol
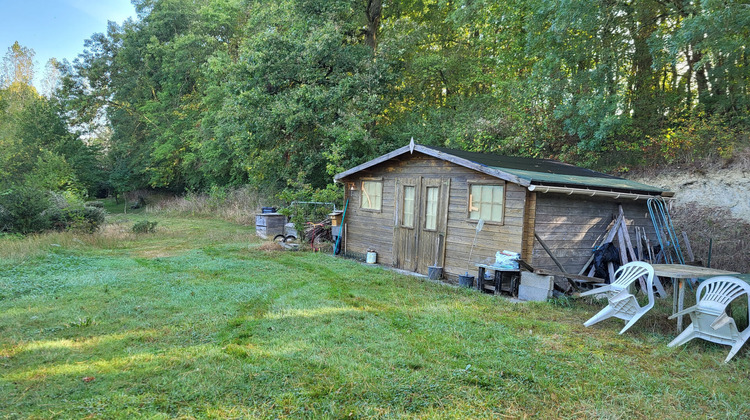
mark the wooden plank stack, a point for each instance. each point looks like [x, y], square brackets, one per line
[618, 231]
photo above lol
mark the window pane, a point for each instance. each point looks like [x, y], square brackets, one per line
[497, 212]
[378, 197]
[430, 217]
[485, 211]
[372, 195]
[473, 207]
[408, 216]
[486, 194]
[486, 202]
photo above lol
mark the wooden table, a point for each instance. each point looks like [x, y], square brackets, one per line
[497, 277]
[682, 272]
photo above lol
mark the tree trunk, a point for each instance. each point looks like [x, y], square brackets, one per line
[701, 79]
[688, 82]
[374, 13]
[645, 83]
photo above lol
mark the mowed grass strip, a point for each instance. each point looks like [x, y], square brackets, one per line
[198, 321]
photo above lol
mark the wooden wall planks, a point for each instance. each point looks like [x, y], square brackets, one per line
[372, 230]
[571, 225]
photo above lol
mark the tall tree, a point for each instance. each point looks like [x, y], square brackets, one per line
[18, 66]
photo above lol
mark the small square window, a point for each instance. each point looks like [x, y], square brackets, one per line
[372, 195]
[486, 202]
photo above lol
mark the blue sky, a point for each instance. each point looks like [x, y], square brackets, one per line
[56, 28]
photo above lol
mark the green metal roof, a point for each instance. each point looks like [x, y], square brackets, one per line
[550, 172]
[581, 181]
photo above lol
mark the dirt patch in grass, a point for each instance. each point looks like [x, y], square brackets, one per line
[270, 246]
[160, 252]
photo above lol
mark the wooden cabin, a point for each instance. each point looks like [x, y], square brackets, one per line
[419, 206]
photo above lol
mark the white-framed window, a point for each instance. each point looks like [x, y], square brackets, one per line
[431, 208]
[372, 195]
[487, 202]
[407, 219]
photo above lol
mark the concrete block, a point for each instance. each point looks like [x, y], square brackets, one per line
[536, 280]
[533, 293]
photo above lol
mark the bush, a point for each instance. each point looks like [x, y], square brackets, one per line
[22, 210]
[144, 226]
[64, 214]
[27, 210]
[687, 142]
[85, 219]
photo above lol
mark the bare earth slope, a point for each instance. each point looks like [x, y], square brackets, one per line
[727, 188]
[711, 204]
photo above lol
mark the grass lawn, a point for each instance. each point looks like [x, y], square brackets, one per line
[198, 321]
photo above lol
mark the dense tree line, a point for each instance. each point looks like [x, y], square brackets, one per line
[37, 147]
[46, 169]
[200, 93]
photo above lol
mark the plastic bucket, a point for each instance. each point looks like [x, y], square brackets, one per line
[372, 257]
[466, 281]
[434, 273]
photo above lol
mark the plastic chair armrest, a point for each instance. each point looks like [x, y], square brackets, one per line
[598, 290]
[621, 295]
[683, 312]
[721, 321]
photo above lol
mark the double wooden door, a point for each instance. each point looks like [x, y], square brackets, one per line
[421, 218]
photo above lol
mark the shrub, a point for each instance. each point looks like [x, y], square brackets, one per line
[22, 210]
[144, 226]
[25, 210]
[86, 219]
[70, 213]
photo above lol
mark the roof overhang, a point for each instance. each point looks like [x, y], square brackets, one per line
[439, 155]
[596, 193]
[528, 179]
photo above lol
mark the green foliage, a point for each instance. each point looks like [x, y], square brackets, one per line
[144, 226]
[25, 210]
[302, 213]
[225, 93]
[86, 219]
[52, 173]
[699, 138]
[37, 147]
[22, 210]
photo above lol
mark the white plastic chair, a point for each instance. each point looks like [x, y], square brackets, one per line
[709, 316]
[622, 303]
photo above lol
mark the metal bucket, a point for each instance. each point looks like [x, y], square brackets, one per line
[434, 273]
[372, 257]
[466, 281]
